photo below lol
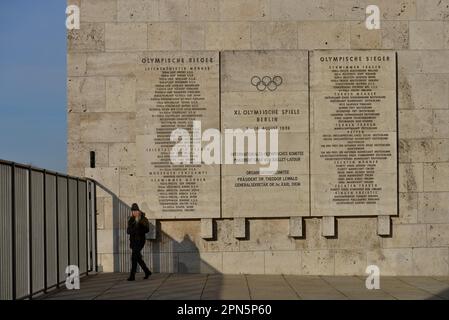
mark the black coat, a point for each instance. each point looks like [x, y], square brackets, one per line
[136, 231]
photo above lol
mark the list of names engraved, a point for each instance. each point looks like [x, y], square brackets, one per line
[353, 133]
[183, 88]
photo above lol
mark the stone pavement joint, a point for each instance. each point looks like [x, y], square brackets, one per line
[105, 286]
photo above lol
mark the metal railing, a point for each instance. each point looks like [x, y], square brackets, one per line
[47, 222]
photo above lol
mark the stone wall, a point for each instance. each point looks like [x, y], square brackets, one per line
[102, 116]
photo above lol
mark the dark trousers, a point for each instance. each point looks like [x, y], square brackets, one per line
[136, 258]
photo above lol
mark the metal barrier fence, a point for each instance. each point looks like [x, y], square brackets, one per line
[47, 222]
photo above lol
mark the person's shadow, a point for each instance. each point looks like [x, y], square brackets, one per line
[162, 254]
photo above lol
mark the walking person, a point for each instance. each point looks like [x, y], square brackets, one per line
[138, 225]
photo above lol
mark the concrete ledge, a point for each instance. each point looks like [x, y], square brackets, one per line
[240, 228]
[295, 227]
[383, 225]
[207, 228]
[328, 226]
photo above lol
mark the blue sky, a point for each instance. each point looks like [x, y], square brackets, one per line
[33, 82]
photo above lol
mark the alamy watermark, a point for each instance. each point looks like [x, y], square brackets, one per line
[372, 21]
[259, 150]
[72, 282]
[72, 20]
[373, 279]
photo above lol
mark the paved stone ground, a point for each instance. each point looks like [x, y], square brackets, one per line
[217, 286]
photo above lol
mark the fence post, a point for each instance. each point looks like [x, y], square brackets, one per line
[13, 229]
[94, 231]
[57, 231]
[45, 229]
[78, 220]
[30, 232]
[68, 220]
[86, 197]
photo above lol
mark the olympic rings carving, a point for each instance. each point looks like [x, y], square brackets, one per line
[266, 82]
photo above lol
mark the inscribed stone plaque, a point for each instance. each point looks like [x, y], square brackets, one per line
[266, 90]
[173, 90]
[353, 133]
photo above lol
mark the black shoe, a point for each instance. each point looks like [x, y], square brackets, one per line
[147, 274]
[131, 278]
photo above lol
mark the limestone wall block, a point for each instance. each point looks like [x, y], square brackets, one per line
[355, 233]
[122, 154]
[436, 176]
[424, 150]
[267, 235]
[244, 262]
[408, 208]
[410, 177]
[350, 262]
[86, 94]
[274, 35]
[433, 207]
[112, 63]
[438, 235]
[362, 38]
[424, 91]
[90, 37]
[228, 36]
[395, 34]
[128, 182]
[107, 127]
[78, 155]
[427, 35]
[137, 10]
[204, 10]
[432, 9]
[441, 124]
[392, 262]
[350, 10]
[225, 238]
[249, 10]
[105, 241]
[73, 127]
[323, 35]
[120, 94]
[164, 36]
[307, 10]
[435, 61]
[282, 262]
[181, 236]
[415, 124]
[200, 262]
[430, 261]
[173, 10]
[406, 236]
[98, 10]
[126, 36]
[397, 10]
[410, 61]
[193, 36]
[107, 176]
[76, 64]
[318, 262]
